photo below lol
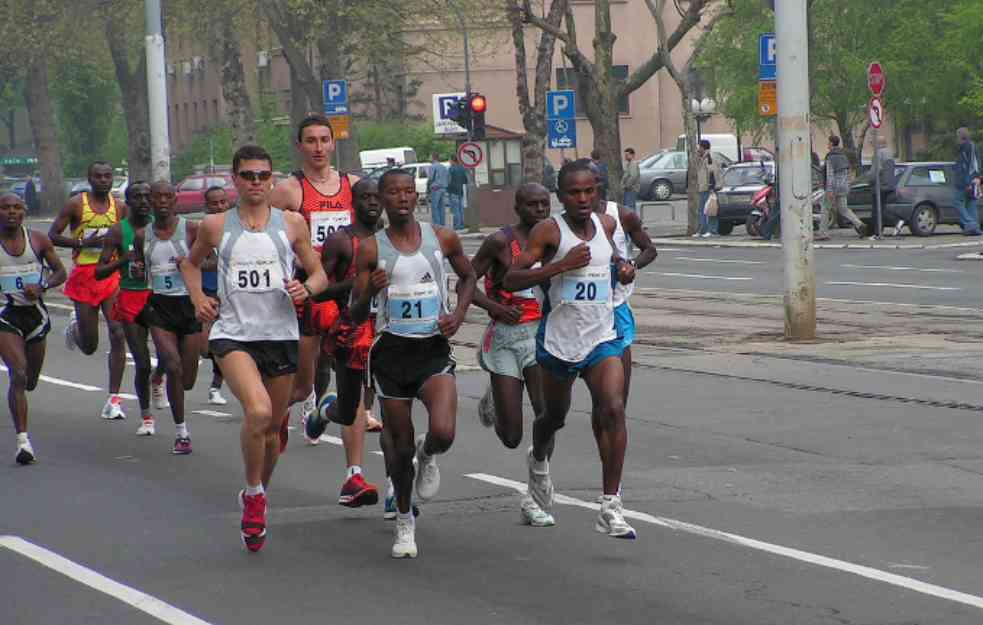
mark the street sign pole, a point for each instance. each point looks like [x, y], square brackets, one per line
[794, 167]
[876, 82]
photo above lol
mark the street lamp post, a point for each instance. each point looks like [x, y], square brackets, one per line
[160, 151]
[703, 110]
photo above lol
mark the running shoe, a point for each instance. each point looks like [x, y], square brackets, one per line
[182, 446]
[315, 422]
[533, 515]
[304, 420]
[389, 506]
[309, 405]
[371, 423]
[215, 397]
[404, 546]
[284, 432]
[113, 411]
[486, 408]
[25, 453]
[611, 519]
[147, 428]
[540, 483]
[324, 409]
[427, 475]
[253, 526]
[356, 492]
[158, 394]
[70, 343]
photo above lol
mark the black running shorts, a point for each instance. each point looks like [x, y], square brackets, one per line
[176, 314]
[400, 366]
[272, 358]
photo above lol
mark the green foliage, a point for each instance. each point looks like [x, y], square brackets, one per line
[199, 153]
[87, 101]
[419, 136]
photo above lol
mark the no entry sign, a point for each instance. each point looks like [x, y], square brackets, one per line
[470, 155]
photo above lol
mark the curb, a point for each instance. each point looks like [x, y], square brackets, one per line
[819, 246]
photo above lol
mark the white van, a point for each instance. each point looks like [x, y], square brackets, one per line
[372, 159]
[725, 144]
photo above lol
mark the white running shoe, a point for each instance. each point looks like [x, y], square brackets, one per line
[147, 428]
[112, 411]
[215, 397]
[540, 484]
[427, 474]
[303, 428]
[309, 406]
[25, 453]
[533, 515]
[70, 343]
[486, 408]
[695, 235]
[158, 394]
[404, 546]
[706, 235]
[611, 520]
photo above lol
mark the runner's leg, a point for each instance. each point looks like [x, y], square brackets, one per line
[439, 395]
[13, 351]
[86, 328]
[246, 384]
[399, 447]
[606, 383]
[35, 360]
[190, 347]
[626, 363]
[169, 353]
[117, 347]
[507, 394]
[308, 351]
[136, 340]
[278, 390]
[556, 405]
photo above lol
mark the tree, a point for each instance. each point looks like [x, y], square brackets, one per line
[595, 78]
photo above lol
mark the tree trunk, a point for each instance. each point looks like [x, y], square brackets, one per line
[607, 139]
[242, 120]
[288, 33]
[334, 66]
[135, 99]
[693, 207]
[41, 113]
[298, 108]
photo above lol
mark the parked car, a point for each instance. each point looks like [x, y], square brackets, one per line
[664, 173]
[741, 182]
[923, 197]
[78, 186]
[191, 191]
[756, 154]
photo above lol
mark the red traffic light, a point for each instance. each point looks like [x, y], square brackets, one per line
[478, 104]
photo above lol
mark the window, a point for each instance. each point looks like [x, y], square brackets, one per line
[746, 176]
[927, 177]
[217, 182]
[566, 78]
[193, 184]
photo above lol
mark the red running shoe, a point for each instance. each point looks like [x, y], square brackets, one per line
[284, 432]
[356, 492]
[253, 528]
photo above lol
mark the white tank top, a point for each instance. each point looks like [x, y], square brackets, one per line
[161, 257]
[16, 272]
[252, 268]
[417, 292]
[578, 311]
[621, 291]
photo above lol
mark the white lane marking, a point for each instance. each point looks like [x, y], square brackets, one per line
[894, 285]
[211, 413]
[141, 601]
[892, 268]
[720, 260]
[788, 552]
[60, 382]
[334, 440]
[697, 276]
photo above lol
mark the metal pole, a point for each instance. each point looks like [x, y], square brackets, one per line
[471, 217]
[794, 166]
[878, 215]
[160, 150]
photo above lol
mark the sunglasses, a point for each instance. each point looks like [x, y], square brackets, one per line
[253, 176]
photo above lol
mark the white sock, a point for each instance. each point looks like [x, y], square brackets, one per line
[540, 466]
[390, 489]
[407, 516]
[182, 430]
[252, 491]
[354, 470]
[22, 438]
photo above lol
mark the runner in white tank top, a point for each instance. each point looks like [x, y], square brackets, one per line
[577, 335]
[255, 337]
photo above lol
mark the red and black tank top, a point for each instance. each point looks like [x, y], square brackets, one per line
[325, 214]
[524, 299]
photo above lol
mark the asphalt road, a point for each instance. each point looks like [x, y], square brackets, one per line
[838, 509]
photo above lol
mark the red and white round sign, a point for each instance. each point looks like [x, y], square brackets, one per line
[470, 155]
[876, 79]
[876, 112]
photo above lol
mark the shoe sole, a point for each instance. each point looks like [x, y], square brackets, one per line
[603, 530]
[114, 418]
[25, 458]
[253, 543]
[146, 433]
[175, 452]
[391, 516]
[404, 555]
[367, 497]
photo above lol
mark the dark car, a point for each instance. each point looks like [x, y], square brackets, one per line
[664, 173]
[741, 181]
[923, 198]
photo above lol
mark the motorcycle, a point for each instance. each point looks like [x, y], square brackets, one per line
[765, 202]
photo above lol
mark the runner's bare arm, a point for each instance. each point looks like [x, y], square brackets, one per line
[543, 242]
[635, 231]
[337, 250]
[450, 245]
[493, 250]
[68, 217]
[626, 271]
[209, 236]
[287, 195]
[111, 246]
[369, 280]
[58, 274]
[300, 239]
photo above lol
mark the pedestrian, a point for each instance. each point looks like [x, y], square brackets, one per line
[390, 162]
[965, 180]
[631, 181]
[457, 182]
[708, 179]
[549, 175]
[888, 184]
[437, 181]
[837, 189]
[595, 156]
[31, 197]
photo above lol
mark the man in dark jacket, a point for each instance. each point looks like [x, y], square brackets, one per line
[965, 180]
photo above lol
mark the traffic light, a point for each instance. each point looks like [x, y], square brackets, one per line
[477, 104]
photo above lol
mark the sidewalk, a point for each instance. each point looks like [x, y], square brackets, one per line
[840, 238]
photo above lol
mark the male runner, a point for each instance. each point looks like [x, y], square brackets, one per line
[508, 348]
[577, 336]
[411, 356]
[24, 322]
[90, 216]
[129, 308]
[349, 344]
[323, 196]
[216, 201]
[175, 329]
[255, 335]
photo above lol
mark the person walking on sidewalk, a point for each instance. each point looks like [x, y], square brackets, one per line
[631, 181]
[708, 177]
[837, 188]
[965, 179]
[437, 183]
[458, 180]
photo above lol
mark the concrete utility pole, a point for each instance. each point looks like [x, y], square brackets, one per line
[794, 167]
[160, 146]
[471, 217]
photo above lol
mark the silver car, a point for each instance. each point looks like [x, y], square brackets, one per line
[664, 174]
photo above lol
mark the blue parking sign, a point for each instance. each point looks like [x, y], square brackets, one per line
[767, 57]
[562, 133]
[561, 105]
[336, 97]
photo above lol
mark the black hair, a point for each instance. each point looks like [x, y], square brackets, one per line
[526, 188]
[356, 188]
[130, 186]
[314, 119]
[213, 189]
[95, 164]
[250, 153]
[632, 150]
[571, 168]
[389, 173]
[833, 141]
